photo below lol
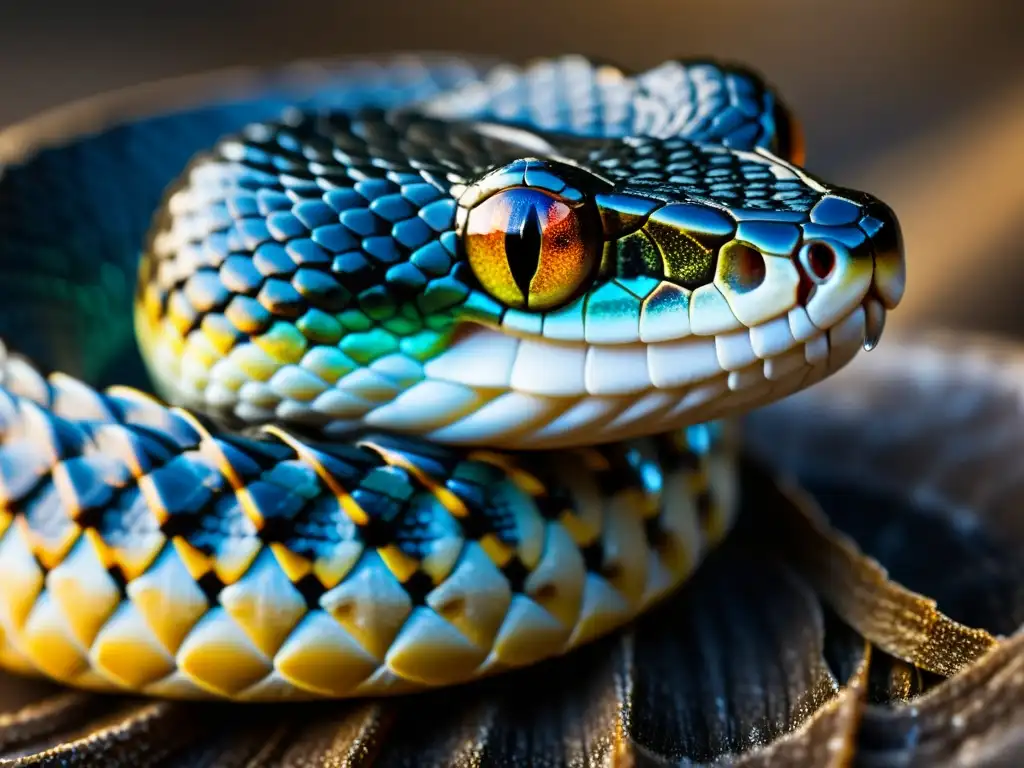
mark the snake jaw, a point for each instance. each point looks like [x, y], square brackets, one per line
[699, 310]
[542, 393]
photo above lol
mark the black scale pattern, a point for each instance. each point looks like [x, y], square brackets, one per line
[708, 173]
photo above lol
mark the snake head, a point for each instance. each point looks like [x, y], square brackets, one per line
[495, 285]
[658, 283]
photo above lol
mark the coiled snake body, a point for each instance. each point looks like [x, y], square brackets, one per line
[450, 348]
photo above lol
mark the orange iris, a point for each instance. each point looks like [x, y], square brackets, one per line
[530, 249]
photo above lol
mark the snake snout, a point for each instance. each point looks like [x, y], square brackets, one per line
[851, 254]
[890, 277]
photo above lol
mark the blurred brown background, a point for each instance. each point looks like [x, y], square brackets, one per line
[920, 102]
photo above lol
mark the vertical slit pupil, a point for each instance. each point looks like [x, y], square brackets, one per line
[522, 248]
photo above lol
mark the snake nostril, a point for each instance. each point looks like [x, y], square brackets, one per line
[819, 261]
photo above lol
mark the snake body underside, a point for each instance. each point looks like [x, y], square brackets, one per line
[453, 350]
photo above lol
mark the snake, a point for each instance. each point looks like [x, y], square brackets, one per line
[445, 368]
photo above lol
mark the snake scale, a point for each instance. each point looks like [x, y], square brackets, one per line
[447, 357]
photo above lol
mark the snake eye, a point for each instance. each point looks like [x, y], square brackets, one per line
[531, 249]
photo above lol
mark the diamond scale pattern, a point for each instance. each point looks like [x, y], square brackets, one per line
[47, 641]
[474, 598]
[371, 605]
[557, 582]
[22, 577]
[84, 591]
[168, 599]
[321, 657]
[265, 604]
[429, 650]
[218, 656]
[271, 567]
[128, 652]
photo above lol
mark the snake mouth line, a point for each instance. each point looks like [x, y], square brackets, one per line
[534, 393]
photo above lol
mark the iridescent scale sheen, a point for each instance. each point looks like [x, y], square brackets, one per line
[416, 266]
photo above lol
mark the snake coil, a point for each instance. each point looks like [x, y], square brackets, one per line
[448, 355]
